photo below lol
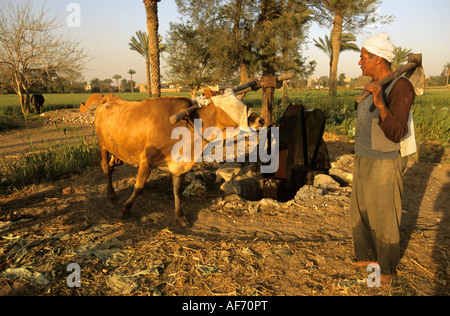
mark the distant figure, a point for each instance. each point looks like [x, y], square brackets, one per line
[37, 101]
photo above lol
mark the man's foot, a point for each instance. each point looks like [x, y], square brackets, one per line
[386, 279]
[363, 263]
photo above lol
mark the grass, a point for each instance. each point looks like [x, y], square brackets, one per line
[432, 116]
[55, 161]
[7, 123]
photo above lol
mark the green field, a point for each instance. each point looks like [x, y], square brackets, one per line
[9, 104]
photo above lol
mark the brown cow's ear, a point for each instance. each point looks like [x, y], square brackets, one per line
[110, 97]
[208, 93]
[103, 100]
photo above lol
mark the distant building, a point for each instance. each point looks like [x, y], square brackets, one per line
[361, 82]
[166, 86]
[142, 87]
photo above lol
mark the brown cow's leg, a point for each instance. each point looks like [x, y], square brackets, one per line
[143, 173]
[107, 170]
[176, 193]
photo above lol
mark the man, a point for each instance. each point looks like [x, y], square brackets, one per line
[382, 125]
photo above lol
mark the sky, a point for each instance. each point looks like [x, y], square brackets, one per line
[105, 27]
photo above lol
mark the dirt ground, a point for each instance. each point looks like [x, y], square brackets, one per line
[232, 247]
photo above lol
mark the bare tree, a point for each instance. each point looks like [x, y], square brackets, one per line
[31, 51]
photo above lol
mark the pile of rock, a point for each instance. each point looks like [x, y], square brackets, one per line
[85, 118]
[69, 116]
[243, 180]
[342, 170]
[197, 180]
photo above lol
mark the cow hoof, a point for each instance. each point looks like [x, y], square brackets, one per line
[183, 221]
[124, 214]
[111, 196]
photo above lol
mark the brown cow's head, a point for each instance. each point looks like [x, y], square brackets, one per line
[255, 121]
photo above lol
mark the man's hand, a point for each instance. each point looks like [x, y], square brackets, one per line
[378, 100]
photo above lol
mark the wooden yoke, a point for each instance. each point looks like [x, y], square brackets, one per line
[255, 84]
[182, 114]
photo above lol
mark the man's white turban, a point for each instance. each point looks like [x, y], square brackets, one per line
[380, 45]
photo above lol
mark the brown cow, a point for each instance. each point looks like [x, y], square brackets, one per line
[139, 134]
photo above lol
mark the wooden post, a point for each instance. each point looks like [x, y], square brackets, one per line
[269, 83]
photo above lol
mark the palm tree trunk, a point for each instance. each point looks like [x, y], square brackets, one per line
[151, 8]
[149, 78]
[448, 75]
[131, 84]
[243, 69]
[268, 70]
[336, 35]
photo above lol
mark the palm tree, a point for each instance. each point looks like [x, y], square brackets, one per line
[310, 68]
[447, 68]
[140, 45]
[401, 55]
[341, 16]
[117, 77]
[346, 44]
[151, 9]
[131, 72]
